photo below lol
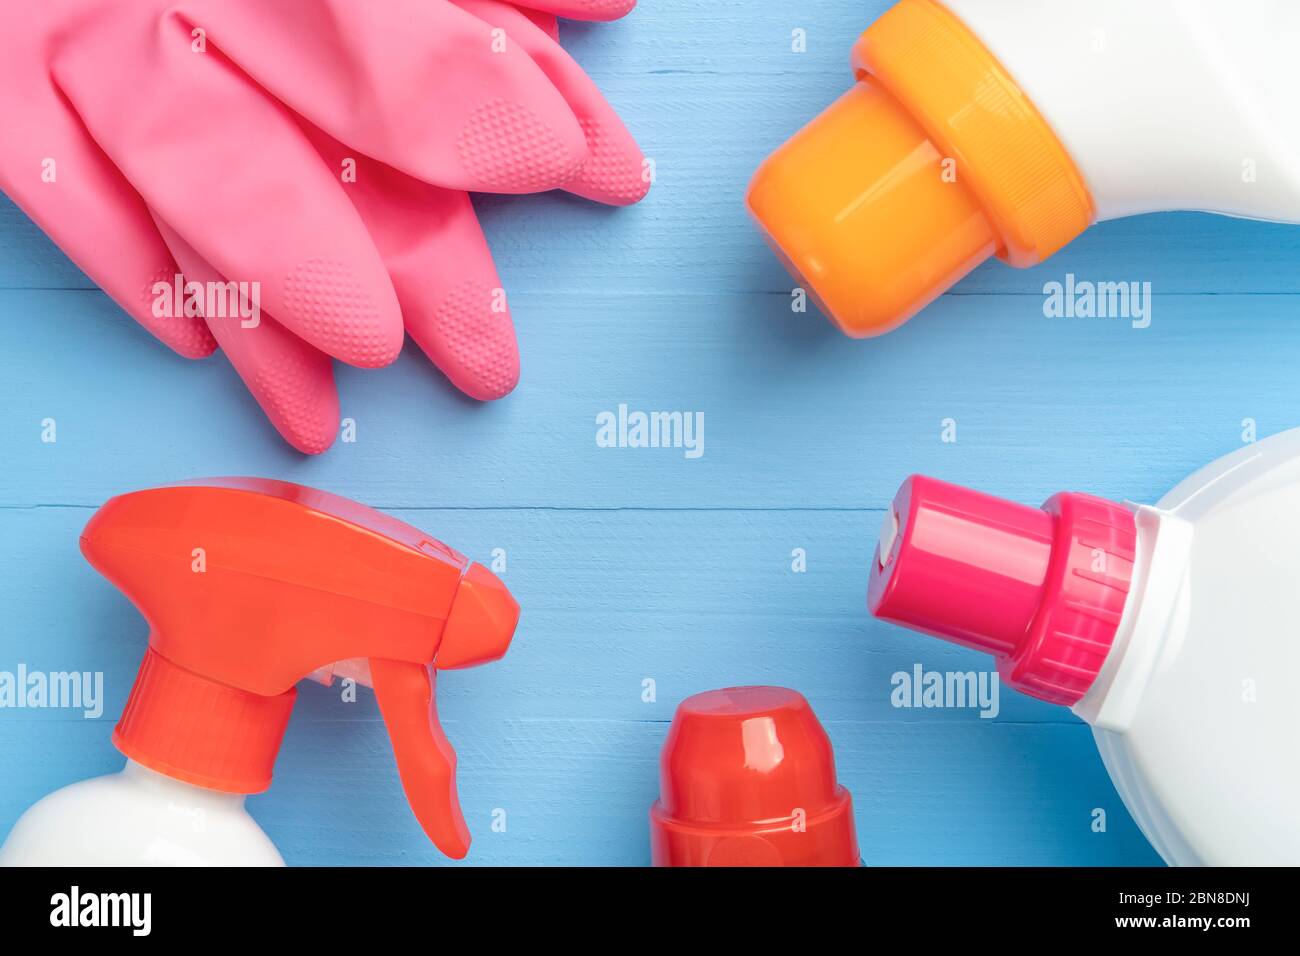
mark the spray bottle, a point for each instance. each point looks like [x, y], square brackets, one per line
[249, 586]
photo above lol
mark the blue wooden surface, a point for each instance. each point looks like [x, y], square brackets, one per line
[635, 564]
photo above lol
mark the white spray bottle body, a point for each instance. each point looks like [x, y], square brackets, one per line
[138, 817]
[1194, 710]
[1162, 104]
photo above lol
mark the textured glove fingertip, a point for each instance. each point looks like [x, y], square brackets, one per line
[472, 342]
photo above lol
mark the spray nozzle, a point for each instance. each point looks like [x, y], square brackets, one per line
[249, 586]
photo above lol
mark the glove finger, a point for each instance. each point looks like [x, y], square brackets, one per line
[418, 85]
[614, 172]
[452, 300]
[582, 9]
[228, 169]
[546, 22]
[69, 188]
[456, 308]
[291, 380]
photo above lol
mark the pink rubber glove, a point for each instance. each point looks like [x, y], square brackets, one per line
[94, 89]
[581, 9]
[52, 169]
[429, 237]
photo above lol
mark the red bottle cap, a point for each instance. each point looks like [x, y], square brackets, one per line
[747, 778]
[1041, 589]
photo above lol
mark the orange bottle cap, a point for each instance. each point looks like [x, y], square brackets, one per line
[931, 163]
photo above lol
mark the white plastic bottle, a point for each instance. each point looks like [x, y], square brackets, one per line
[138, 817]
[1162, 104]
[1170, 629]
[1007, 127]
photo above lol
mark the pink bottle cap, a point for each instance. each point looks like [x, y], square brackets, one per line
[1041, 589]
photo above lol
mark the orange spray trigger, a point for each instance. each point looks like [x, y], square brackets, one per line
[426, 761]
[479, 628]
[250, 586]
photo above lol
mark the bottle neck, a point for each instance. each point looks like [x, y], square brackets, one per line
[1150, 622]
[159, 784]
[190, 728]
